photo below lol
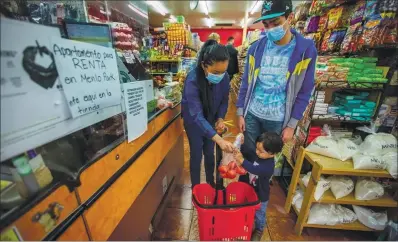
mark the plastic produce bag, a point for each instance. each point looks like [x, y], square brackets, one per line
[391, 163]
[341, 186]
[229, 168]
[378, 144]
[371, 219]
[368, 162]
[322, 186]
[343, 149]
[368, 190]
[297, 200]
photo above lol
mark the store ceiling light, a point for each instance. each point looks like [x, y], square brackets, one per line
[255, 7]
[158, 6]
[138, 11]
[172, 19]
[210, 22]
[204, 6]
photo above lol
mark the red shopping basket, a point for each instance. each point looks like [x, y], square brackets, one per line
[225, 213]
[228, 214]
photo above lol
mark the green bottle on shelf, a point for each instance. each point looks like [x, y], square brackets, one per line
[26, 173]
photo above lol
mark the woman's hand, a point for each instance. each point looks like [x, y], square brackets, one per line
[226, 146]
[241, 124]
[220, 126]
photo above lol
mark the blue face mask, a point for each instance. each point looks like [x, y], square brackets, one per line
[276, 33]
[215, 79]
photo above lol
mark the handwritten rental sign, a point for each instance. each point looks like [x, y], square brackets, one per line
[89, 75]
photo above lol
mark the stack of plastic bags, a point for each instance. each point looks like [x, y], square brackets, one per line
[342, 149]
[330, 214]
[379, 152]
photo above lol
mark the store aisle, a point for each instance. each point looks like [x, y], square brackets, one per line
[179, 221]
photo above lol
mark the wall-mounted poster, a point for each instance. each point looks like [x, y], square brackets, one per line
[34, 110]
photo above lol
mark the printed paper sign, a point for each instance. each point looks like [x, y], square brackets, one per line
[136, 109]
[89, 75]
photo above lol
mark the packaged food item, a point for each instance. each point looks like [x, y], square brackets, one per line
[323, 22]
[350, 39]
[311, 24]
[391, 160]
[358, 13]
[316, 7]
[301, 12]
[366, 189]
[370, 218]
[341, 186]
[330, 214]
[335, 17]
[325, 41]
[378, 144]
[370, 32]
[371, 10]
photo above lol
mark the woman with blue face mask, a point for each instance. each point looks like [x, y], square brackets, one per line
[204, 105]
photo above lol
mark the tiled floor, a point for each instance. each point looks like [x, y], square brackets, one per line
[179, 221]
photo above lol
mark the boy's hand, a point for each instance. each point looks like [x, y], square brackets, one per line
[238, 156]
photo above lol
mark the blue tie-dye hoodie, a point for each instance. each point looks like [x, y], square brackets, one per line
[300, 78]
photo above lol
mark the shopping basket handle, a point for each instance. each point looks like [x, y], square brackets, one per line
[219, 180]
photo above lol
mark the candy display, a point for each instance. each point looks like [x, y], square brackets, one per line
[335, 17]
[358, 13]
[312, 24]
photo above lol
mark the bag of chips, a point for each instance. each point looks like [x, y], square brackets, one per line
[335, 17]
[358, 12]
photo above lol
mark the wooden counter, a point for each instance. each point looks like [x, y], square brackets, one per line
[110, 189]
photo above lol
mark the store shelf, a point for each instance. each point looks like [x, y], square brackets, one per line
[331, 166]
[162, 73]
[351, 226]
[350, 85]
[170, 60]
[337, 118]
[328, 197]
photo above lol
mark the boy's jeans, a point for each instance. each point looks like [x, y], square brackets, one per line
[254, 128]
[260, 219]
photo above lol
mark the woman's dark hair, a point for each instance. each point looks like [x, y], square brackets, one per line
[210, 53]
[271, 141]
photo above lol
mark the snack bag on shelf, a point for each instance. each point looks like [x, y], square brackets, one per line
[366, 189]
[228, 168]
[358, 12]
[341, 186]
[323, 22]
[370, 218]
[311, 24]
[335, 17]
[371, 30]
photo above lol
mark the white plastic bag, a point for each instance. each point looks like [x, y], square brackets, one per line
[368, 162]
[345, 215]
[380, 143]
[322, 186]
[391, 163]
[324, 214]
[228, 157]
[341, 186]
[330, 214]
[366, 189]
[324, 145]
[343, 149]
[347, 149]
[298, 197]
[371, 219]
